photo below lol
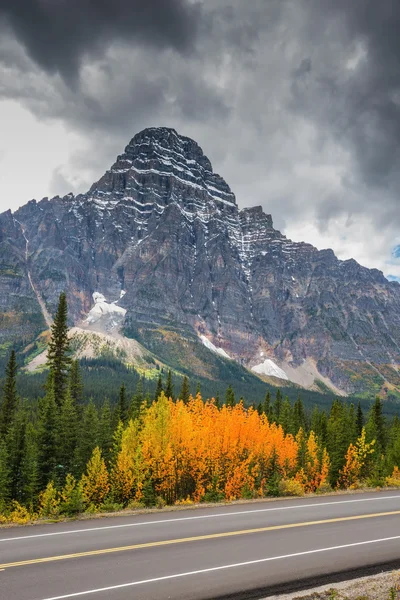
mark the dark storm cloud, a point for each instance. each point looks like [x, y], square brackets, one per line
[364, 105]
[57, 34]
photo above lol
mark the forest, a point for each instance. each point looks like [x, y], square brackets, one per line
[63, 455]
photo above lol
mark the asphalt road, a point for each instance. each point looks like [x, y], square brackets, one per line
[245, 550]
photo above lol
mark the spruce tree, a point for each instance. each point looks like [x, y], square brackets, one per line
[276, 412]
[359, 419]
[267, 406]
[122, 406]
[106, 431]
[230, 399]
[198, 389]
[5, 476]
[88, 438]
[58, 359]
[273, 474]
[159, 388]
[67, 436]
[137, 401]
[184, 394]
[299, 416]
[286, 419]
[9, 400]
[48, 429]
[15, 442]
[375, 427]
[30, 467]
[169, 388]
[75, 384]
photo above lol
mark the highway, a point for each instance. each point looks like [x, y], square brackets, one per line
[238, 551]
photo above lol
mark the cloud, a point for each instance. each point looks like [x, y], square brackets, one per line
[57, 34]
[296, 102]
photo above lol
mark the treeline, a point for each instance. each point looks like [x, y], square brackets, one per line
[61, 455]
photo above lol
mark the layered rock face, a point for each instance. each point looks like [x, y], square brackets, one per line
[164, 228]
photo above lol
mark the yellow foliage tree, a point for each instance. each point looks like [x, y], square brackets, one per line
[95, 482]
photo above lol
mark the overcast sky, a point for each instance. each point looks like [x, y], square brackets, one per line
[295, 102]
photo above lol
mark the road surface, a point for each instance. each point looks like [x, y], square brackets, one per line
[245, 550]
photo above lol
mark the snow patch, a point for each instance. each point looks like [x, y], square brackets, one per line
[268, 367]
[102, 308]
[213, 348]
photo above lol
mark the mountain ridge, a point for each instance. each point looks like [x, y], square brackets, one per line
[161, 226]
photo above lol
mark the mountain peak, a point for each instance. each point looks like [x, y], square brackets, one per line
[158, 157]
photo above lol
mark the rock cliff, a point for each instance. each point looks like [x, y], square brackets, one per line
[165, 230]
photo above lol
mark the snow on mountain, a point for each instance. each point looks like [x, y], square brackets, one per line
[213, 348]
[102, 308]
[268, 367]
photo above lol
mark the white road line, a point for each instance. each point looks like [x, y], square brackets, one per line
[221, 568]
[214, 516]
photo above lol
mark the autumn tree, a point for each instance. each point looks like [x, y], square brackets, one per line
[95, 481]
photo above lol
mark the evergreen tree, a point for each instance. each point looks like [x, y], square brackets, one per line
[10, 400]
[106, 431]
[184, 394]
[159, 388]
[75, 384]
[267, 409]
[230, 399]
[338, 439]
[217, 401]
[169, 388]
[375, 427]
[58, 359]
[273, 474]
[15, 442]
[87, 438]
[48, 429]
[286, 419]
[359, 419]
[30, 467]
[276, 412]
[137, 401]
[67, 436]
[5, 476]
[299, 416]
[198, 389]
[122, 406]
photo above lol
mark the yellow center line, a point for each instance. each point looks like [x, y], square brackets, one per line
[211, 536]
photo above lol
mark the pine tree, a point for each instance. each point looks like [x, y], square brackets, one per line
[10, 399]
[286, 419]
[230, 399]
[88, 438]
[273, 474]
[198, 389]
[169, 388]
[159, 388]
[15, 442]
[30, 467]
[67, 436]
[122, 406]
[57, 357]
[376, 426]
[75, 384]
[277, 407]
[184, 394]
[48, 429]
[217, 400]
[267, 406]
[106, 431]
[359, 419]
[5, 476]
[137, 401]
[299, 416]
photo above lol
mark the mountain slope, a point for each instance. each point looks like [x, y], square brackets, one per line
[164, 229]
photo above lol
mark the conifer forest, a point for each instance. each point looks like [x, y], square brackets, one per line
[64, 454]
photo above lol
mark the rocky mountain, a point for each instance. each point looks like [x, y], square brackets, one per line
[161, 239]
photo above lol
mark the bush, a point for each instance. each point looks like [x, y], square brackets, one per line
[394, 479]
[213, 496]
[20, 514]
[184, 502]
[290, 487]
[109, 505]
[49, 501]
[135, 505]
[160, 502]
[72, 501]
